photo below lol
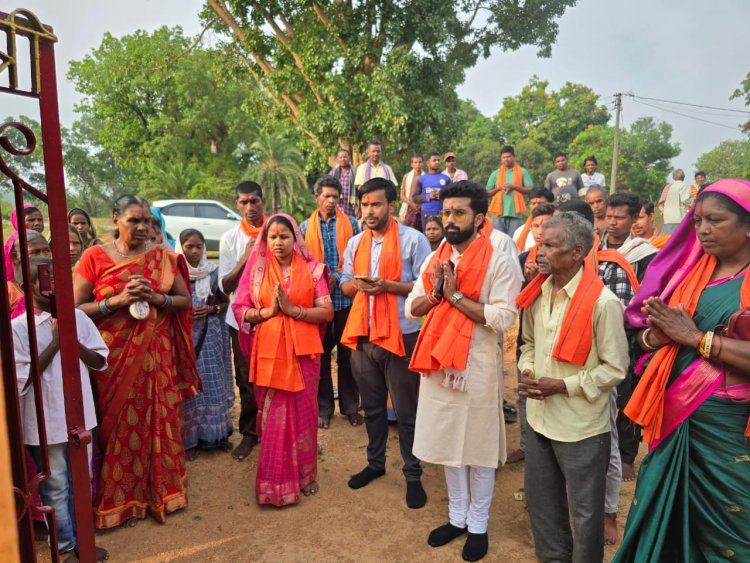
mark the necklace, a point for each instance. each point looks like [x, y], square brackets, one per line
[740, 271]
[114, 244]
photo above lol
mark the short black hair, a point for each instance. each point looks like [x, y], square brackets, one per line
[187, 233]
[543, 209]
[743, 215]
[559, 154]
[415, 155]
[542, 192]
[248, 187]
[577, 206]
[326, 182]
[433, 153]
[433, 219]
[281, 220]
[626, 199]
[648, 206]
[375, 142]
[507, 149]
[342, 149]
[375, 184]
[592, 159]
[700, 173]
[466, 188]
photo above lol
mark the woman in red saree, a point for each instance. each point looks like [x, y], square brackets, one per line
[138, 295]
[282, 306]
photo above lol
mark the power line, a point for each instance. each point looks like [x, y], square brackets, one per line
[744, 112]
[689, 116]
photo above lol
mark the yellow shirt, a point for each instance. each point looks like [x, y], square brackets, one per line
[584, 411]
[375, 172]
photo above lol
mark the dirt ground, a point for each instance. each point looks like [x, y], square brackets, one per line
[224, 523]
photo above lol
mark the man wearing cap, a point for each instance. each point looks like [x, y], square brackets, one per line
[455, 174]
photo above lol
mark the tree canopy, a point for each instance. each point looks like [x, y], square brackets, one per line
[348, 72]
[730, 159]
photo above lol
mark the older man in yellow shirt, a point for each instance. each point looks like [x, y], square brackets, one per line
[568, 369]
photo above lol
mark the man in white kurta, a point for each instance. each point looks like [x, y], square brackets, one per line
[458, 415]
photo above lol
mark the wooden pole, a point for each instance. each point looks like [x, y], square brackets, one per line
[616, 146]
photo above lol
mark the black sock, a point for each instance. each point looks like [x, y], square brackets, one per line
[416, 497]
[475, 547]
[364, 477]
[444, 534]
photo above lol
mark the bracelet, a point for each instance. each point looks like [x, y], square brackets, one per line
[704, 347]
[436, 296]
[104, 307]
[644, 340]
[718, 340]
[302, 313]
[167, 302]
[431, 299]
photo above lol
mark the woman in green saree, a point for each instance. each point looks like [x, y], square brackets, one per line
[692, 498]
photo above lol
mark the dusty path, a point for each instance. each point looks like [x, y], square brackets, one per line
[224, 523]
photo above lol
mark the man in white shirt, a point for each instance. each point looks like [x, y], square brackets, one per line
[374, 167]
[234, 250]
[55, 491]
[674, 201]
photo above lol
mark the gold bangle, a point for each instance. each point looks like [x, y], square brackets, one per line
[705, 345]
[644, 339]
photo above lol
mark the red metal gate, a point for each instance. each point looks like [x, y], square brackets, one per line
[23, 25]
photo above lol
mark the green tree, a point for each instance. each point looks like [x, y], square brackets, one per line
[277, 165]
[551, 119]
[535, 158]
[646, 149]
[743, 92]
[346, 72]
[730, 159]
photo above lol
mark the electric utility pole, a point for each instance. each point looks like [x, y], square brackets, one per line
[616, 146]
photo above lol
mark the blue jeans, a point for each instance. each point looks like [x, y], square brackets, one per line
[57, 492]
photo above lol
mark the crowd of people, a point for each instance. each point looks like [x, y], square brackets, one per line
[627, 332]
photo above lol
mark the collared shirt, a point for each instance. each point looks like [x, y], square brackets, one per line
[458, 176]
[51, 379]
[231, 248]
[346, 178]
[376, 171]
[677, 202]
[331, 256]
[415, 248]
[583, 411]
[617, 281]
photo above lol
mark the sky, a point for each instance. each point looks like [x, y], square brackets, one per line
[679, 50]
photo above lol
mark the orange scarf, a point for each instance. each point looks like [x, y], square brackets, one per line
[533, 251]
[445, 338]
[646, 406]
[280, 339]
[612, 255]
[521, 242]
[251, 230]
[659, 240]
[496, 205]
[314, 236]
[383, 329]
[575, 338]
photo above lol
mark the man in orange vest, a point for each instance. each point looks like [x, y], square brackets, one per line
[380, 267]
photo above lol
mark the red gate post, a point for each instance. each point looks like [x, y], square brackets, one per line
[44, 87]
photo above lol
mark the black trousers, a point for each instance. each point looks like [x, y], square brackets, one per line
[248, 405]
[629, 438]
[348, 391]
[378, 373]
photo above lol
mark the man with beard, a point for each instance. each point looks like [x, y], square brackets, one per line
[374, 167]
[345, 174]
[644, 226]
[380, 267]
[234, 250]
[622, 211]
[327, 232]
[467, 291]
[574, 352]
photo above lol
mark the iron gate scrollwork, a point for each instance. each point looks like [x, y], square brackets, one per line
[43, 81]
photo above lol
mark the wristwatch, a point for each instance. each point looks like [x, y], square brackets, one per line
[456, 297]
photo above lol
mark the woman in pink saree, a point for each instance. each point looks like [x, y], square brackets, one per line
[692, 498]
[282, 306]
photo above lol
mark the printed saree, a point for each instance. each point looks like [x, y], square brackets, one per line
[692, 498]
[151, 371]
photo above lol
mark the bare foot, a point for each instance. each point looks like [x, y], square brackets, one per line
[515, 456]
[311, 489]
[356, 419]
[324, 422]
[191, 454]
[628, 473]
[245, 447]
[130, 523]
[610, 528]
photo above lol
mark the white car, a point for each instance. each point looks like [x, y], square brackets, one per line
[212, 218]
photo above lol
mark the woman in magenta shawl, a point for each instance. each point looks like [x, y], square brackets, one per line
[33, 220]
[282, 305]
[692, 498]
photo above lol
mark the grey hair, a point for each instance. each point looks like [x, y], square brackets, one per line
[678, 174]
[576, 230]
